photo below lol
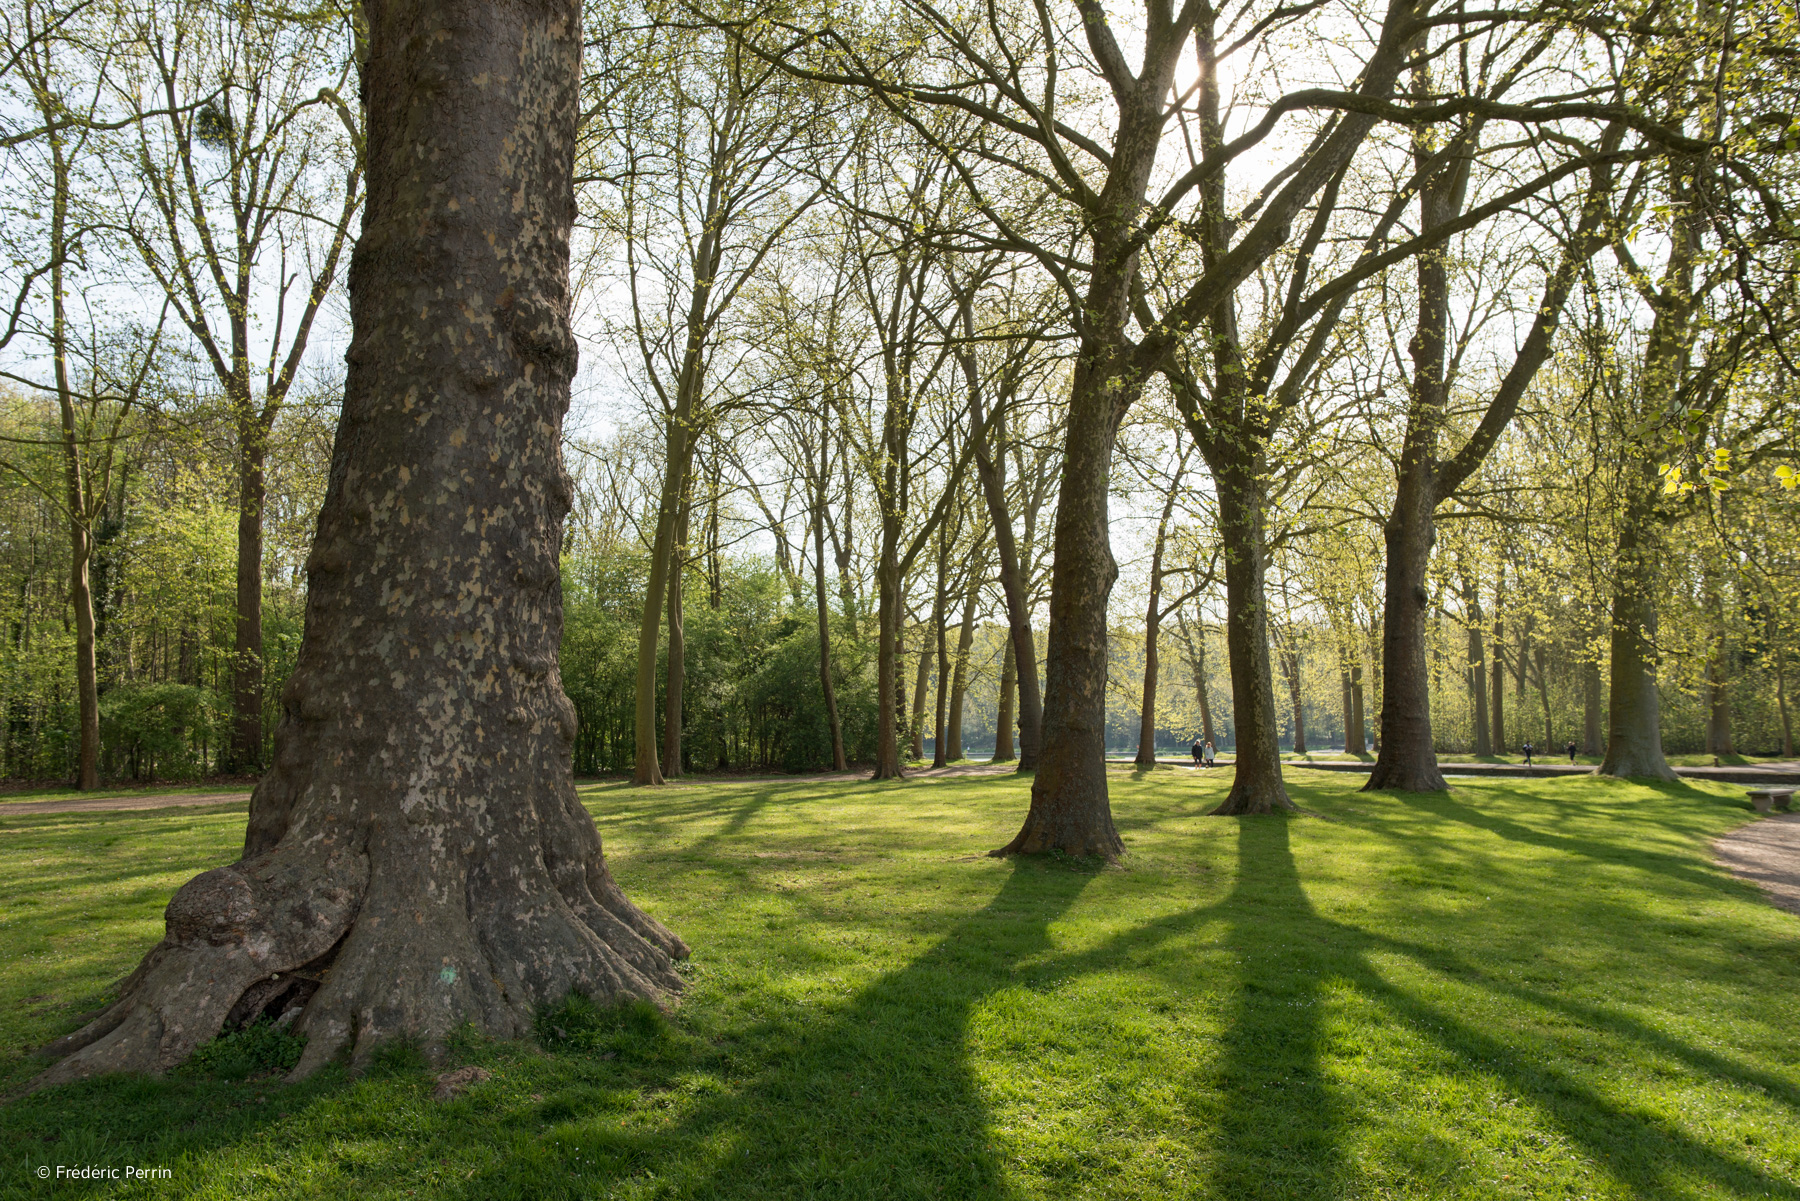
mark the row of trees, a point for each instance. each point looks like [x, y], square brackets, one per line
[892, 323]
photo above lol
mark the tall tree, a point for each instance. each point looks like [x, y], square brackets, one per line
[419, 833]
[243, 186]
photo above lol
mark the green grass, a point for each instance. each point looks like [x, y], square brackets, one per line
[1522, 989]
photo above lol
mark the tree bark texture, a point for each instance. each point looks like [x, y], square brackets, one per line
[1592, 739]
[1256, 785]
[1497, 677]
[1356, 744]
[1070, 809]
[416, 859]
[1634, 715]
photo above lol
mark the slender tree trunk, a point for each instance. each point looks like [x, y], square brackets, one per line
[1146, 752]
[1543, 683]
[75, 487]
[921, 690]
[1718, 696]
[990, 469]
[418, 833]
[959, 685]
[1591, 737]
[1781, 701]
[1003, 720]
[889, 691]
[1355, 743]
[1256, 785]
[1484, 745]
[1291, 665]
[1344, 688]
[1497, 678]
[826, 689]
[675, 676]
[1196, 649]
[940, 621]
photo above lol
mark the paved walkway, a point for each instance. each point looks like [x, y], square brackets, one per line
[1768, 853]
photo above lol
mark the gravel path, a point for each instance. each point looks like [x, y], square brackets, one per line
[92, 804]
[1768, 853]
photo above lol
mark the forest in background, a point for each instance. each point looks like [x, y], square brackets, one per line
[828, 361]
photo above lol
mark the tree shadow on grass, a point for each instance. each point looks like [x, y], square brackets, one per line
[871, 1098]
[1282, 1125]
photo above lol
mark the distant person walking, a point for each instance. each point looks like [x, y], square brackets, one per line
[1210, 753]
[1199, 755]
[1571, 750]
[1527, 749]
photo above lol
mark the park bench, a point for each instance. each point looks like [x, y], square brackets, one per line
[1766, 800]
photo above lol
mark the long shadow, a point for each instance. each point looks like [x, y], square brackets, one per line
[1277, 1117]
[873, 1098]
[1278, 1120]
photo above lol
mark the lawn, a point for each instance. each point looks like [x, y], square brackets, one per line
[1534, 988]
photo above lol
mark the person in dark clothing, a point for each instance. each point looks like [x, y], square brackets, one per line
[1571, 750]
[1199, 761]
[1527, 749]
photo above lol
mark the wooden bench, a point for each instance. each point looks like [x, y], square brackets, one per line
[1767, 800]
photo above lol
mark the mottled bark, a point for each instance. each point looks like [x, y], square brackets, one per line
[416, 859]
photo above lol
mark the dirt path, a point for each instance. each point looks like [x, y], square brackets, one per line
[94, 804]
[1768, 853]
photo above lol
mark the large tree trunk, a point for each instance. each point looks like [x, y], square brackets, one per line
[1070, 810]
[1634, 719]
[416, 859]
[1256, 785]
[1003, 720]
[247, 646]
